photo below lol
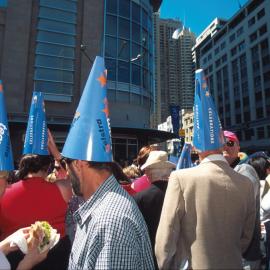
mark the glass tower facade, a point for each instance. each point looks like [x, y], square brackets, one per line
[128, 51]
[55, 49]
[3, 3]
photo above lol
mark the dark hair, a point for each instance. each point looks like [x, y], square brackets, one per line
[31, 163]
[120, 176]
[260, 164]
[12, 177]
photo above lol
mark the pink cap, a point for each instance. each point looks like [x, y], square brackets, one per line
[230, 135]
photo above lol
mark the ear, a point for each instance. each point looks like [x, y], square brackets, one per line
[76, 164]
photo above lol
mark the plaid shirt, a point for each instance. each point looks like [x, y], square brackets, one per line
[111, 232]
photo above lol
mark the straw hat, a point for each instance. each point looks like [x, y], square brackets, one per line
[158, 159]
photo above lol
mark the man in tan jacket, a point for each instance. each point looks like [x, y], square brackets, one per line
[208, 213]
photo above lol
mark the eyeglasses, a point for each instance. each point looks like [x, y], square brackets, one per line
[230, 143]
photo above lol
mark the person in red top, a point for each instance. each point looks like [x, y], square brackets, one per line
[33, 198]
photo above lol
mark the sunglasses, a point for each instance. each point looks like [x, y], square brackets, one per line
[230, 143]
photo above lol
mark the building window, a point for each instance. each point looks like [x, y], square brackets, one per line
[223, 45]
[136, 12]
[111, 25]
[3, 3]
[124, 8]
[217, 50]
[111, 6]
[241, 46]
[246, 116]
[123, 72]
[258, 96]
[266, 77]
[257, 82]
[233, 51]
[238, 119]
[55, 47]
[240, 31]
[260, 14]
[128, 46]
[263, 30]
[253, 37]
[259, 112]
[224, 58]
[255, 53]
[249, 133]
[209, 56]
[232, 37]
[217, 63]
[264, 46]
[251, 21]
[260, 133]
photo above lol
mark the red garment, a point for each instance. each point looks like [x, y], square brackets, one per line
[128, 189]
[31, 200]
[141, 183]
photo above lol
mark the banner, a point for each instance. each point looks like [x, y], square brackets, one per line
[174, 110]
[207, 133]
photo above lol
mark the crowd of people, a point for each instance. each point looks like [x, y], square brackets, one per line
[149, 215]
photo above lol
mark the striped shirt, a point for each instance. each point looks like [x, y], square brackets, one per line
[111, 232]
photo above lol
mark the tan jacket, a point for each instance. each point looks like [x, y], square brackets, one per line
[207, 218]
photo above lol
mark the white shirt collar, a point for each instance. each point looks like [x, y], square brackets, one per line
[215, 157]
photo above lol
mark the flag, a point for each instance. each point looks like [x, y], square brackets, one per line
[89, 136]
[174, 109]
[207, 133]
[36, 137]
[6, 157]
[185, 157]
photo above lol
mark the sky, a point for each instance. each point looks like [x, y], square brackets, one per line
[198, 14]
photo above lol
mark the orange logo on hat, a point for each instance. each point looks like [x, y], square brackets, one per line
[102, 79]
[106, 109]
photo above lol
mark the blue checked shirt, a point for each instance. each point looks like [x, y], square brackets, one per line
[111, 232]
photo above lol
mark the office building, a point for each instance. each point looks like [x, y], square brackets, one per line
[173, 68]
[236, 60]
[49, 46]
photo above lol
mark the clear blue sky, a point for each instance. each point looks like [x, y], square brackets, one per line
[198, 14]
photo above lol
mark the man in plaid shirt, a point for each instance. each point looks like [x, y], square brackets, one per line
[111, 232]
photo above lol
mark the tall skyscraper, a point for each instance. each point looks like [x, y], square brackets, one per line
[236, 59]
[173, 68]
[49, 46]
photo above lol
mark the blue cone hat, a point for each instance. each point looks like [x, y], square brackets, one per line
[36, 137]
[207, 134]
[185, 157]
[6, 158]
[89, 137]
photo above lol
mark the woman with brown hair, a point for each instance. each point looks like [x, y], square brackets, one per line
[142, 182]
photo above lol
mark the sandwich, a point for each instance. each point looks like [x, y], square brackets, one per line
[42, 235]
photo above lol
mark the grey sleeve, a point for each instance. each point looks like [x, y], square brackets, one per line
[250, 173]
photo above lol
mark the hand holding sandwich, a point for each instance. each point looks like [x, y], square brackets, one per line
[5, 245]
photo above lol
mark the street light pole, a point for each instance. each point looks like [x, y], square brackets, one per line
[83, 50]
